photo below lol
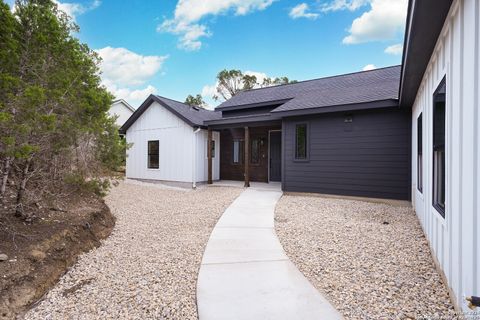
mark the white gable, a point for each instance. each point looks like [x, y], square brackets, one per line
[121, 110]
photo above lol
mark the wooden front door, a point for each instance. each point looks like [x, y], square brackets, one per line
[275, 161]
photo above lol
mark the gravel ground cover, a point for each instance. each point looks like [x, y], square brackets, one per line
[148, 267]
[371, 260]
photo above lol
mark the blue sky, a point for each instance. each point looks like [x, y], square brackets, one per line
[176, 48]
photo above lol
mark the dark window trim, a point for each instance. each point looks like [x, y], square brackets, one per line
[153, 154]
[437, 207]
[307, 142]
[420, 152]
[440, 209]
[241, 152]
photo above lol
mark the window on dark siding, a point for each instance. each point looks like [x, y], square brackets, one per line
[439, 148]
[237, 152]
[255, 151]
[420, 153]
[153, 154]
[301, 141]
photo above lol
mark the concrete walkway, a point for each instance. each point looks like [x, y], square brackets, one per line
[245, 273]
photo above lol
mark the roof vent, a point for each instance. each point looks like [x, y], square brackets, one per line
[195, 108]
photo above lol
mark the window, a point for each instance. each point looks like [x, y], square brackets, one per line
[153, 154]
[213, 148]
[301, 141]
[420, 153]
[439, 148]
[255, 151]
[237, 151]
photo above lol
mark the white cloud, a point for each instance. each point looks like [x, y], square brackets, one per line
[301, 11]
[259, 75]
[369, 67]
[74, 9]
[208, 91]
[337, 5]
[189, 33]
[125, 67]
[134, 97]
[188, 13]
[123, 71]
[384, 21]
[193, 10]
[395, 49]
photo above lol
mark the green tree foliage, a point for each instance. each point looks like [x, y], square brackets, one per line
[53, 109]
[231, 82]
[196, 101]
[268, 82]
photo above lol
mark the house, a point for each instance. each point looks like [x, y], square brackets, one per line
[440, 85]
[169, 142]
[122, 110]
[343, 135]
[408, 132]
[340, 135]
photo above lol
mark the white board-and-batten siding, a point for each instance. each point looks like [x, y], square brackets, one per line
[178, 144]
[454, 240]
[121, 112]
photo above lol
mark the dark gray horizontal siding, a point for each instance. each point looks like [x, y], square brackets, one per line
[368, 157]
[345, 192]
[318, 175]
[374, 138]
[366, 145]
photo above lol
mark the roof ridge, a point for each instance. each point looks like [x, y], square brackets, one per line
[321, 78]
[162, 97]
[129, 106]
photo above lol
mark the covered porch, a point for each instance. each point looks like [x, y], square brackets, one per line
[248, 152]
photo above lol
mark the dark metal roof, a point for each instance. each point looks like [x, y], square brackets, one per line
[353, 88]
[195, 117]
[361, 90]
[244, 119]
[379, 104]
[425, 21]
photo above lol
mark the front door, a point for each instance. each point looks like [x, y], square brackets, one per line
[275, 161]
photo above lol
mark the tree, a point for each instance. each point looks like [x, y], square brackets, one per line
[196, 101]
[54, 118]
[8, 83]
[231, 82]
[268, 82]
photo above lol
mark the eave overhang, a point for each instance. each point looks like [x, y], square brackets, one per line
[425, 21]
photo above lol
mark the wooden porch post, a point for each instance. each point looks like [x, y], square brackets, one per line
[209, 156]
[247, 156]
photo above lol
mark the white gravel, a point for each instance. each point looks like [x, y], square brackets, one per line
[370, 260]
[148, 267]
